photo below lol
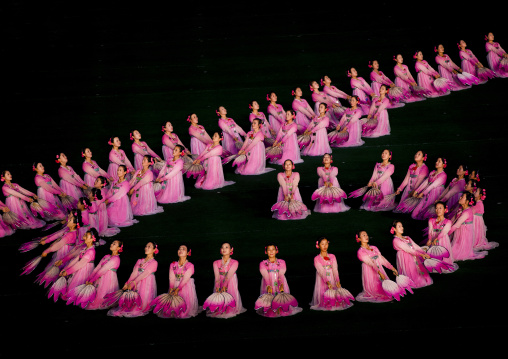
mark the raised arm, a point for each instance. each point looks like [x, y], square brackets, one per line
[196, 133]
[442, 61]
[380, 78]
[400, 245]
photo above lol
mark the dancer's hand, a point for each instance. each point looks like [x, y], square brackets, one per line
[395, 273]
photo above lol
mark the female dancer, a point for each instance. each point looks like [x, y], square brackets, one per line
[142, 280]
[48, 189]
[214, 175]
[404, 79]
[438, 234]
[104, 275]
[226, 281]
[409, 257]
[361, 89]
[274, 281]
[415, 175]
[99, 207]
[17, 199]
[429, 191]
[463, 231]
[351, 123]
[254, 149]
[448, 69]
[319, 144]
[5, 229]
[119, 207]
[453, 192]
[373, 272]
[169, 141]
[329, 102]
[199, 137]
[334, 93]
[287, 139]
[378, 78]
[143, 201]
[275, 112]
[328, 177]
[382, 178]
[141, 149]
[480, 230]
[82, 207]
[472, 65]
[304, 112]
[427, 75]
[495, 54]
[327, 277]
[288, 190]
[70, 181]
[181, 283]
[173, 189]
[92, 169]
[264, 124]
[378, 111]
[117, 157]
[230, 130]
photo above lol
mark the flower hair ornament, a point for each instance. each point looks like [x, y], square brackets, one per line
[130, 136]
[120, 250]
[357, 238]
[57, 159]
[217, 112]
[82, 154]
[435, 49]
[471, 202]
[276, 250]
[317, 243]
[394, 58]
[392, 230]
[458, 45]
[250, 106]
[486, 38]
[321, 82]
[110, 142]
[444, 162]
[311, 88]
[93, 238]
[466, 173]
[152, 162]
[155, 251]
[163, 130]
[425, 157]
[370, 65]
[33, 168]
[293, 93]
[390, 155]
[349, 74]
[221, 136]
[415, 55]
[446, 209]
[294, 115]
[268, 97]
[2, 178]
[189, 253]
[189, 118]
[483, 196]
[477, 177]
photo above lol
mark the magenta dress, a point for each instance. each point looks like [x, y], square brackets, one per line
[71, 182]
[117, 158]
[303, 115]
[48, 189]
[231, 131]
[119, 208]
[329, 175]
[319, 144]
[256, 157]
[469, 63]
[180, 277]
[379, 109]
[264, 124]
[452, 194]
[432, 188]
[494, 56]
[446, 67]
[143, 281]
[276, 116]
[364, 92]
[372, 262]
[382, 176]
[168, 145]
[410, 263]
[274, 275]
[351, 121]
[214, 175]
[289, 186]
[5, 229]
[140, 150]
[17, 200]
[403, 78]
[79, 268]
[464, 237]
[439, 230]
[329, 101]
[290, 148]
[143, 201]
[99, 217]
[426, 77]
[105, 279]
[92, 171]
[63, 241]
[173, 189]
[334, 93]
[199, 139]
[225, 277]
[414, 178]
[326, 271]
[480, 230]
[377, 80]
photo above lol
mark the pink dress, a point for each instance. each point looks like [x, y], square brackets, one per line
[364, 92]
[469, 63]
[105, 279]
[326, 271]
[464, 237]
[173, 189]
[426, 77]
[351, 121]
[140, 150]
[414, 178]
[494, 56]
[410, 263]
[5, 229]
[117, 158]
[446, 67]
[199, 139]
[480, 230]
[92, 171]
[17, 199]
[276, 116]
[48, 189]
[231, 132]
[289, 186]
[335, 94]
[274, 275]
[214, 175]
[290, 148]
[225, 277]
[256, 157]
[303, 115]
[70, 182]
[99, 217]
[142, 280]
[403, 78]
[319, 144]
[439, 231]
[143, 201]
[432, 188]
[322, 97]
[372, 262]
[79, 268]
[452, 194]
[168, 145]
[180, 277]
[329, 175]
[378, 79]
[63, 241]
[264, 123]
[382, 176]
[378, 109]
[119, 208]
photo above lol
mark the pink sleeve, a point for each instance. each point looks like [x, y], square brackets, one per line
[422, 175]
[174, 171]
[320, 269]
[273, 111]
[87, 258]
[66, 239]
[298, 107]
[264, 273]
[382, 79]
[216, 274]
[114, 158]
[429, 229]
[449, 192]
[137, 149]
[405, 182]
[322, 124]
[9, 191]
[445, 230]
[58, 234]
[70, 178]
[384, 104]
[39, 181]
[282, 183]
[342, 120]
[151, 152]
[224, 127]
[187, 275]
[217, 151]
[399, 245]
[87, 168]
[282, 272]
[372, 109]
[422, 186]
[387, 173]
[364, 257]
[335, 268]
[321, 172]
[296, 180]
[172, 276]
[134, 271]
[24, 191]
[231, 273]
[279, 135]
[128, 163]
[366, 88]
[384, 262]
[439, 181]
[479, 208]
[150, 269]
[403, 76]
[442, 61]
[292, 129]
[458, 223]
[122, 191]
[374, 172]
[148, 177]
[257, 138]
[335, 92]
